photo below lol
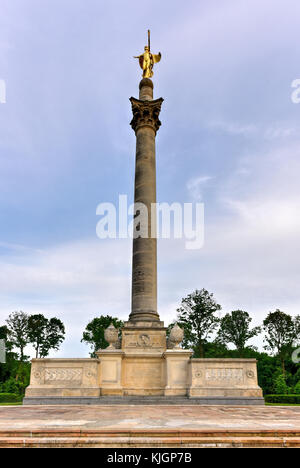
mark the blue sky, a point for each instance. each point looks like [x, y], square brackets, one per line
[229, 138]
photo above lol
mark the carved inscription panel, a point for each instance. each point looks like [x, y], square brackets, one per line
[144, 341]
[224, 376]
[64, 376]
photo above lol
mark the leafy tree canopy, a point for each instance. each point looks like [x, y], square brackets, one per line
[197, 316]
[45, 334]
[235, 329]
[94, 332]
[17, 327]
[281, 331]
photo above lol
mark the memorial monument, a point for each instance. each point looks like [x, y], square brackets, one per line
[144, 366]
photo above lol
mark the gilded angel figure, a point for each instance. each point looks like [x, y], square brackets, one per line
[147, 60]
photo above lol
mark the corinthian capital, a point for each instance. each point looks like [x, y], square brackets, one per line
[145, 114]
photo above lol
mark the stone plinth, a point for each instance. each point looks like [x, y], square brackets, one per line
[64, 378]
[144, 338]
[143, 375]
[111, 371]
[176, 362]
[223, 378]
[168, 375]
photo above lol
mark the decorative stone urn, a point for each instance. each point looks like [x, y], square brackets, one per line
[111, 336]
[176, 336]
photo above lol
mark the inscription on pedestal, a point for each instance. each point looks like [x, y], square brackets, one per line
[48, 376]
[143, 341]
[224, 376]
[63, 375]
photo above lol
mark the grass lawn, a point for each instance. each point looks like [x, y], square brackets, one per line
[282, 404]
[11, 404]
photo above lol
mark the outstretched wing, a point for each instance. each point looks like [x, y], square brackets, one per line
[156, 58]
[141, 61]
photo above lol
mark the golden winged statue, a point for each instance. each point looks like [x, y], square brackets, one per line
[147, 60]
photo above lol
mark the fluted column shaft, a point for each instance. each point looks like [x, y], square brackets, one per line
[145, 123]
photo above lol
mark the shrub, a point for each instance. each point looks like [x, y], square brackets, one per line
[297, 388]
[12, 385]
[10, 398]
[287, 399]
[280, 385]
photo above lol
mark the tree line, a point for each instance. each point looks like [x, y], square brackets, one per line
[206, 332]
[197, 315]
[41, 333]
[210, 335]
[20, 331]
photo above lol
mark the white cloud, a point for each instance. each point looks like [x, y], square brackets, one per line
[195, 186]
[75, 281]
[234, 128]
[270, 131]
[276, 131]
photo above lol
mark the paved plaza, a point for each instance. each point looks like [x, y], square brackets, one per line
[144, 426]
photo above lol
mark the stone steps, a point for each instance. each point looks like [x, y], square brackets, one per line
[143, 400]
[144, 438]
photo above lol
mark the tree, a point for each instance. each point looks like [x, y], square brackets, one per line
[45, 334]
[235, 329]
[94, 332]
[197, 316]
[297, 329]
[17, 324]
[280, 333]
[55, 335]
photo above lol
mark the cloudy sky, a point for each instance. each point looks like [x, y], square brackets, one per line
[230, 139]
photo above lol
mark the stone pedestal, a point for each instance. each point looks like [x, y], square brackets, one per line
[143, 344]
[229, 378]
[176, 362]
[144, 372]
[111, 371]
[64, 378]
[144, 338]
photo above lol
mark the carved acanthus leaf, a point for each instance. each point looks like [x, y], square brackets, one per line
[145, 113]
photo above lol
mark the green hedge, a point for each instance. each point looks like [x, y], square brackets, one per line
[10, 398]
[289, 399]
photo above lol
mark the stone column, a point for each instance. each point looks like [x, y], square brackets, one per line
[145, 123]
